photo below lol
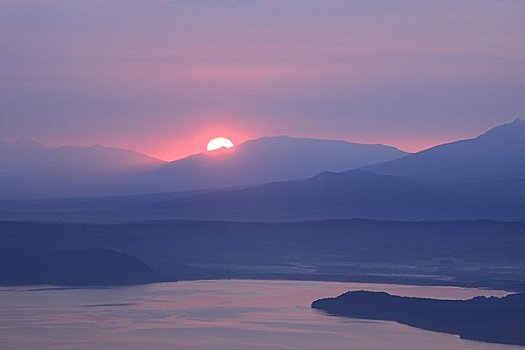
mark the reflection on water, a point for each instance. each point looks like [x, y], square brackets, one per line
[222, 315]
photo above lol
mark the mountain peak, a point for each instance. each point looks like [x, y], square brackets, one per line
[507, 131]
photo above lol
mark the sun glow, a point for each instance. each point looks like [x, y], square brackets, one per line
[219, 142]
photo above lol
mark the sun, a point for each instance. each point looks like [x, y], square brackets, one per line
[219, 142]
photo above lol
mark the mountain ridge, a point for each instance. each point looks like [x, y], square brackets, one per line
[34, 171]
[497, 154]
[263, 160]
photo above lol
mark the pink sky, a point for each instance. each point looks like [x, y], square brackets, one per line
[163, 77]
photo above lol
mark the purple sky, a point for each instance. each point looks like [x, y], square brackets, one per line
[162, 77]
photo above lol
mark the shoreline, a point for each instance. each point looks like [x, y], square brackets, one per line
[51, 287]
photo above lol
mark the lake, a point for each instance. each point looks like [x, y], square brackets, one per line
[219, 314]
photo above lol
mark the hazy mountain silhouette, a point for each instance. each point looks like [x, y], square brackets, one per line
[495, 320]
[498, 154]
[31, 170]
[263, 160]
[449, 190]
[29, 154]
[471, 179]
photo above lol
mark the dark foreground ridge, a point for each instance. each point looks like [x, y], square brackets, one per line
[494, 320]
[462, 253]
[93, 266]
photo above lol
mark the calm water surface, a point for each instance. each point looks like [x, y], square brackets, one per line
[222, 315]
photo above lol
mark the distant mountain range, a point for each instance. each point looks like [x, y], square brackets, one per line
[482, 178]
[471, 179]
[263, 160]
[30, 170]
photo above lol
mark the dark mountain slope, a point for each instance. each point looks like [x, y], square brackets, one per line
[468, 253]
[497, 154]
[339, 195]
[94, 266]
[353, 194]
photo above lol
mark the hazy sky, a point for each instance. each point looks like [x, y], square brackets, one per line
[162, 77]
